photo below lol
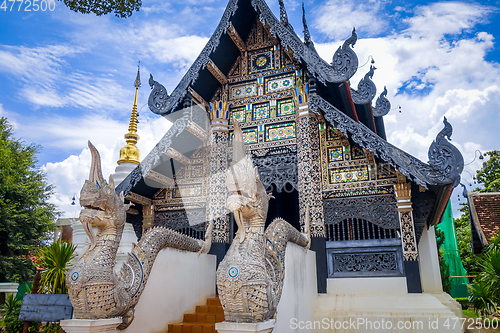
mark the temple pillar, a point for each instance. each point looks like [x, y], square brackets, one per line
[216, 210]
[430, 272]
[402, 190]
[309, 183]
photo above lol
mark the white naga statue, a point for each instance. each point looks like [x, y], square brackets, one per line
[95, 291]
[250, 277]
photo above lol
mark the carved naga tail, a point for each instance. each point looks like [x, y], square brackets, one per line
[94, 289]
[250, 278]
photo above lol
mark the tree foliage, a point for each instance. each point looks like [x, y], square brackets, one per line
[121, 8]
[489, 175]
[11, 308]
[25, 214]
[464, 237]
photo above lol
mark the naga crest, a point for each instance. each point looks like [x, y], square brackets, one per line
[102, 207]
[248, 197]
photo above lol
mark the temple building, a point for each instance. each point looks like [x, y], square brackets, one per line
[317, 142]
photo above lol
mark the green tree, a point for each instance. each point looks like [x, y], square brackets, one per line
[463, 230]
[121, 8]
[26, 216]
[489, 175]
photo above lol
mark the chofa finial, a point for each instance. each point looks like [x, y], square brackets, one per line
[158, 96]
[345, 60]
[382, 106]
[366, 88]
[444, 156]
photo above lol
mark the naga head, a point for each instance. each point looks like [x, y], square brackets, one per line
[247, 195]
[102, 207]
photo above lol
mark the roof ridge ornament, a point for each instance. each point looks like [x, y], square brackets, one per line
[158, 98]
[366, 88]
[283, 14]
[382, 106]
[345, 60]
[307, 36]
[444, 156]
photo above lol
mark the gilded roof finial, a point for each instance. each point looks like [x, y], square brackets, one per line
[130, 153]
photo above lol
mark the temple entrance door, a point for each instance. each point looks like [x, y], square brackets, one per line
[285, 205]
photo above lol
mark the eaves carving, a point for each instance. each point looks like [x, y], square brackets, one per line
[445, 160]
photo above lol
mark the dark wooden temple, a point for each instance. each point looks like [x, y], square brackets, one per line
[317, 142]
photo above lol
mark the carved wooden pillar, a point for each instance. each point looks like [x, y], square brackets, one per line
[402, 190]
[309, 169]
[218, 163]
[309, 182]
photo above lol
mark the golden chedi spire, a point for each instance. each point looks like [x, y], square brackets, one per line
[130, 153]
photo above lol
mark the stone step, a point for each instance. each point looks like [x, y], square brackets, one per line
[207, 317]
[203, 320]
[191, 328]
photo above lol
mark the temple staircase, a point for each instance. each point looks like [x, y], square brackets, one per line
[203, 320]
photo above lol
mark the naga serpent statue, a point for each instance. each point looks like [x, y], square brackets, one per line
[250, 277]
[95, 291]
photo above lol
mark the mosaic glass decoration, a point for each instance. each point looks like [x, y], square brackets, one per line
[280, 83]
[280, 131]
[244, 91]
[197, 171]
[261, 60]
[357, 152]
[286, 107]
[349, 174]
[187, 191]
[238, 114]
[249, 136]
[261, 111]
[333, 134]
[335, 154]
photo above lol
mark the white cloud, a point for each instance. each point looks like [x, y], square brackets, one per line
[336, 18]
[446, 18]
[42, 70]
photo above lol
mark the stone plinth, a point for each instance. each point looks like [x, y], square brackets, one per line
[90, 325]
[227, 327]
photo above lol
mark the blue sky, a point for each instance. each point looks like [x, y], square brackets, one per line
[67, 77]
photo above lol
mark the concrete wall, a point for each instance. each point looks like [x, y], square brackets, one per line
[299, 289]
[178, 282]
